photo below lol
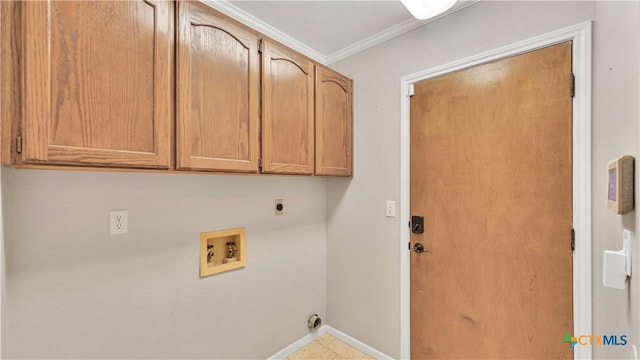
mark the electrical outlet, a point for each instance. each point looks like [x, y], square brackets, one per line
[279, 207]
[119, 222]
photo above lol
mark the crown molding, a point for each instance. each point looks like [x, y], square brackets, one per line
[376, 39]
[266, 29]
[391, 32]
[244, 17]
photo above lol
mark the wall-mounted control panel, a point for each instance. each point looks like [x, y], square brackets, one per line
[620, 187]
[222, 250]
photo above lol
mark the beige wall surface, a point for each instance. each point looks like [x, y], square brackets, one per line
[3, 272]
[355, 218]
[616, 113]
[74, 291]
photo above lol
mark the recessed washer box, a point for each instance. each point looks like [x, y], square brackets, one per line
[222, 250]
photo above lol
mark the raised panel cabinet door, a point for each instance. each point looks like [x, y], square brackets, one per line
[10, 16]
[98, 83]
[218, 88]
[334, 123]
[287, 111]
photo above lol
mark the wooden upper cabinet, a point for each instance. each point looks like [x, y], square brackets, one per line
[334, 123]
[287, 111]
[166, 85]
[97, 83]
[218, 88]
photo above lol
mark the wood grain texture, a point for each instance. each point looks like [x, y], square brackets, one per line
[99, 169]
[218, 92]
[98, 78]
[36, 80]
[10, 90]
[491, 172]
[287, 111]
[334, 123]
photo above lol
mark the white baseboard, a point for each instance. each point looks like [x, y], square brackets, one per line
[357, 344]
[326, 329]
[296, 345]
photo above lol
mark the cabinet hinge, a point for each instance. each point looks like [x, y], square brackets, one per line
[411, 90]
[19, 144]
[260, 163]
[573, 240]
[573, 85]
[260, 46]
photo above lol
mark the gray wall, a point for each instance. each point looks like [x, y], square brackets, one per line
[616, 95]
[363, 290]
[74, 291]
[3, 269]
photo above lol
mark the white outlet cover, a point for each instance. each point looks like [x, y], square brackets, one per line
[118, 222]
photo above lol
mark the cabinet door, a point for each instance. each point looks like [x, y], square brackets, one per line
[97, 83]
[287, 111]
[334, 123]
[217, 92]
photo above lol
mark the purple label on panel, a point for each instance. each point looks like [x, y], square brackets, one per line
[612, 184]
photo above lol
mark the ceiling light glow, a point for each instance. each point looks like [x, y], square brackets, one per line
[424, 9]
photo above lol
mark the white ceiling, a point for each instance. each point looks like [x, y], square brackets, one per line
[326, 30]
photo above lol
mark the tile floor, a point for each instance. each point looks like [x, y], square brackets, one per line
[328, 347]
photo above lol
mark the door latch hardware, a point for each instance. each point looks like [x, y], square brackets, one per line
[417, 224]
[419, 248]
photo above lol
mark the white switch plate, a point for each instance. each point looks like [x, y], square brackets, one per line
[391, 208]
[118, 222]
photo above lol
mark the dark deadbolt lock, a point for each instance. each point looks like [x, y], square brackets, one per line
[417, 224]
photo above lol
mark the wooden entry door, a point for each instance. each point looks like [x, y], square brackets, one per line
[491, 173]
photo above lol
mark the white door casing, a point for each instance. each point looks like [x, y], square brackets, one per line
[580, 35]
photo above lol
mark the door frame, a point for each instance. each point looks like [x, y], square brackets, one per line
[580, 34]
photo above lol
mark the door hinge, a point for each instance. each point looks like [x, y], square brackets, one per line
[409, 245]
[573, 85]
[573, 240]
[411, 90]
[19, 144]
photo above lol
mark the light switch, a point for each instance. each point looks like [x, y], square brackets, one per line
[391, 208]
